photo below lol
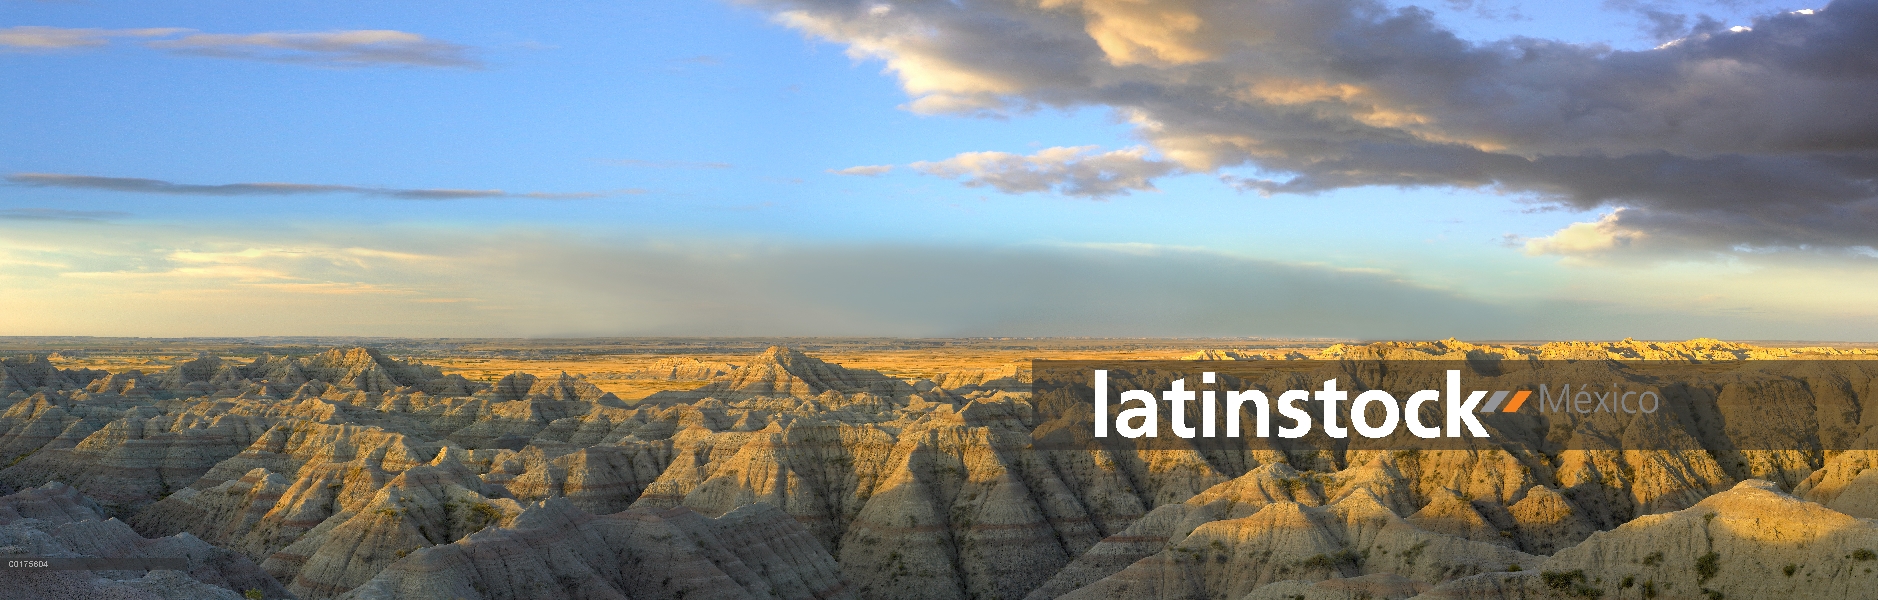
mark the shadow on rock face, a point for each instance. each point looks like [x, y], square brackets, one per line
[510, 442]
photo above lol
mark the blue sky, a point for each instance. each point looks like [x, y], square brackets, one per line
[669, 168]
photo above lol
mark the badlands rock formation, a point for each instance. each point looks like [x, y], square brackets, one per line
[682, 369]
[349, 474]
[55, 521]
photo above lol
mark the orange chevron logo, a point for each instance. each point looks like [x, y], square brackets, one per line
[1494, 403]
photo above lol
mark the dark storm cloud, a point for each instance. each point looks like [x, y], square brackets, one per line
[1770, 128]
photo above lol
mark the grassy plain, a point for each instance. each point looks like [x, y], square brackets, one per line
[616, 364]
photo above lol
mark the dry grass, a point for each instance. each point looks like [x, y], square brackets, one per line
[609, 372]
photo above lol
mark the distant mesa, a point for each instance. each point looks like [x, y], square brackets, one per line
[1226, 355]
[783, 372]
[681, 369]
[1697, 350]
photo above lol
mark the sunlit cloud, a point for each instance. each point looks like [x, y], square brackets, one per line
[235, 272]
[1757, 135]
[1081, 171]
[1599, 237]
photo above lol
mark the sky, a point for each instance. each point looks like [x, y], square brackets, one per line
[1323, 168]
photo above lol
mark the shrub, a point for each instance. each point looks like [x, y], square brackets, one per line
[1562, 580]
[1708, 566]
[485, 513]
[1863, 554]
[1571, 583]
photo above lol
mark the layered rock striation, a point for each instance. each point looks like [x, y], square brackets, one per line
[348, 474]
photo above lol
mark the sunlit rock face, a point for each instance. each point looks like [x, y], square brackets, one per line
[349, 474]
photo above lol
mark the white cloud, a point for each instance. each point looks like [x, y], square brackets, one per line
[344, 48]
[1070, 171]
[864, 170]
[29, 37]
[360, 47]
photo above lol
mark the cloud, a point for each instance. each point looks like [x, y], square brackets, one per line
[157, 186]
[58, 214]
[159, 279]
[546, 283]
[1660, 21]
[668, 164]
[346, 48]
[864, 170]
[1768, 130]
[29, 37]
[1598, 237]
[1487, 9]
[1843, 230]
[336, 288]
[351, 48]
[1079, 171]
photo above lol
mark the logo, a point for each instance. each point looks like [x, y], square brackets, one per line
[1142, 421]
[1137, 413]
